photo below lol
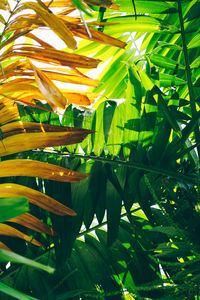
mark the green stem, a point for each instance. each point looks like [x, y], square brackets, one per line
[189, 75]
[7, 22]
[134, 165]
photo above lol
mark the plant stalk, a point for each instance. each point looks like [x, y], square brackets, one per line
[177, 175]
[189, 75]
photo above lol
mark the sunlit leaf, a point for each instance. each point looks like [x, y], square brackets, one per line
[54, 23]
[24, 167]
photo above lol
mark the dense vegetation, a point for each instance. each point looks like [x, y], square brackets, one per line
[129, 230]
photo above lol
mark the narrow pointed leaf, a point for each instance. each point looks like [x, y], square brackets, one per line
[52, 94]
[165, 62]
[54, 56]
[32, 168]
[6, 256]
[10, 231]
[33, 223]
[35, 197]
[19, 136]
[54, 23]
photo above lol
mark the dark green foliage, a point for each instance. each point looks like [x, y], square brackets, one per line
[138, 213]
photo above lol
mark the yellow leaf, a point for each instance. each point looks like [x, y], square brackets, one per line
[19, 136]
[97, 36]
[3, 5]
[35, 197]
[54, 23]
[8, 111]
[10, 231]
[59, 74]
[52, 94]
[12, 87]
[2, 20]
[72, 78]
[33, 223]
[54, 56]
[79, 98]
[32, 168]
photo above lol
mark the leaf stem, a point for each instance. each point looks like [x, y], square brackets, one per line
[134, 165]
[189, 75]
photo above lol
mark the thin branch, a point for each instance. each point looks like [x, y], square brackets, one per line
[86, 26]
[7, 22]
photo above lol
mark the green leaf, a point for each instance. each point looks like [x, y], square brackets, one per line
[148, 7]
[195, 42]
[165, 62]
[11, 207]
[167, 80]
[115, 137]
[99, 139]
[132, 107]
[196, 63]
[113, 205]
[165, 110]
[6, 256]
[14, 293]
[141, 24]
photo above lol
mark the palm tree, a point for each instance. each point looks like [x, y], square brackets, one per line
[136, 231]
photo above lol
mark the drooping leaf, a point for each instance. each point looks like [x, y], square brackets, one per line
[52, 94]
[53, 22]
[23, 136]
[6, 256]
[35, 197]
[10, 231]
[24, 167]
[33, 223]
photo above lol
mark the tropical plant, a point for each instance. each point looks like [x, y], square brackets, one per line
[135, 235]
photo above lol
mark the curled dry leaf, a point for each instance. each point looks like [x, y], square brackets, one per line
[36, 198]
[53, 22]
[53, 95]
[33, 223]
[33, 168]
[23, 69]
[76, 27]
[49, 55]
[10, 231]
